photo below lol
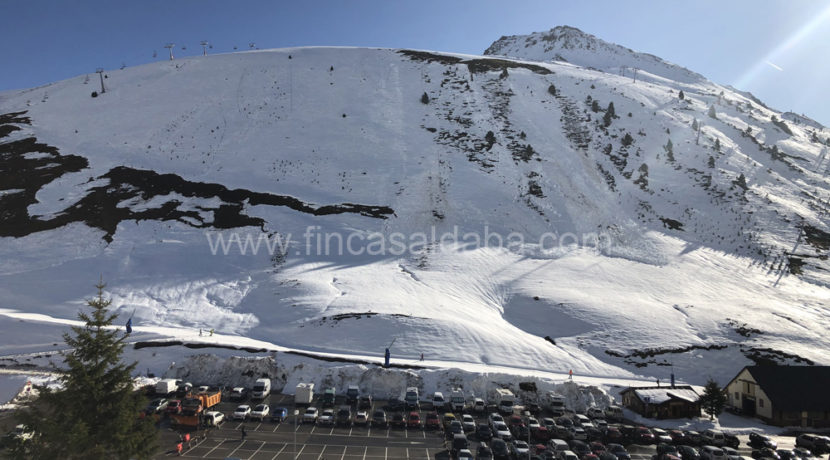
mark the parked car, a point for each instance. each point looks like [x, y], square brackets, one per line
[731, 440]
[260, 412]
[468, 423]
[413, 420]
[500, 450]
[613, 435]
[712, 453]
[495, 417]
[456, 427]
[786, 454]
[310, 415]
[446, 419]
[344, 416]
[619, 451]
[479, 405]
[156, 406]
[713, 438]
[764, 452]
[578, 433]
[519, 449]
[760, 441]
[242, 412]
[352, 394]
[214, 418]
[804, 453]
[595, 412]
[438, 401]
[398, 420]
[464, 454]
[361, 418]
[174, 407]
[459, 442]
[643, 436]
[579, 448]
[483, 432]
[688, 453]
[502, 432]
[817, 445]
[677, 437]
[692, 437]
[666, 452]
[432, 421]
[567, 455]
[365, 402]
[239, 394]
[484, 452]
[279, 414]
[379, 418]
[661, 436]
[326, 418]
[597, 448]
[731, 454]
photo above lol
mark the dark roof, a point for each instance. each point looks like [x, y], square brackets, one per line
[794, 388]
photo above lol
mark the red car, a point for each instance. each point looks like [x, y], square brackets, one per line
[432, 421]
[414, 420]
[540, 434]
[174, 407]
[643, 436]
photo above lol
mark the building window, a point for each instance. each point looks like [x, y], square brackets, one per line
[761, 402]
[737, 396]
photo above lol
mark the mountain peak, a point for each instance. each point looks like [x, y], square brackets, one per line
[569, 44]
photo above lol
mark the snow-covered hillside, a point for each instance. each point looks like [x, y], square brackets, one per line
[629, 240]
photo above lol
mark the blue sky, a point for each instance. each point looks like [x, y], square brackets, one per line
[778, 49]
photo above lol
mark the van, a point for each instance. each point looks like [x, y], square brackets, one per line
[262, 388]
[505, 400]
[479, 405]
[457, 400]
[166, 387]
[557, 404]
[614, 413]
[304, 393]
[411, 398]
[438, 400]
[352, 393]
[567, 455]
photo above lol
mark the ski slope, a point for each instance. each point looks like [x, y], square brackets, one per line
[627, 258]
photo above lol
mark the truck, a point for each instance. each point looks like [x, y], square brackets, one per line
[166, 386]
[304, 393]
[505, 400]
[457, 400]
[194, 406]
[262, 388]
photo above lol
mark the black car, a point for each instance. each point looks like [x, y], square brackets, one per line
[618, 451]
[688, 453]
[483, 432]
[760, 441]
[398, 420]
[459, 442]
[365, 402]
[579, 448]
[395, 405]
[484, 452]
[344, 416]
[379, 418]
[786, 454]
[500, 450]
[692, 438]
[731, 440]
[765, 452]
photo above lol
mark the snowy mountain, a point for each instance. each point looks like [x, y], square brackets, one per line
[484, 211]
[569, 44]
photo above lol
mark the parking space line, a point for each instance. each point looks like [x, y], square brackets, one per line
[343, 455]
[258, 425]
[237, 448]
[407, 452]
[350, 430]
[365, 449]
[321, 452]
[257, 451]
[300, 452]
[275, 428]
[427, 449]
[214, 448]
[279, 452]
[385, 453]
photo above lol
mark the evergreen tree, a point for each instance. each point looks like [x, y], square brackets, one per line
[695, 126]
[627, 140]
[712, 113]
[424, 98]
[711, 161]
[95, 415]
[713, 399]
[504, 73]
[669, 148]
[595, 106]
[681, 95]
[717, 145]
[609, 114]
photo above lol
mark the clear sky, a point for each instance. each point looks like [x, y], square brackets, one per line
[778, 49]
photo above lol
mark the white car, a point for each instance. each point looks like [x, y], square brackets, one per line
[213, 418]
[567, 455]
[494, 418]
[595, 412]
[468, 423]
[465, 454]
[242, 412]
[578, 433]
[532, 423]
[310, 415]
[361, 418]
[479, 405]
[260, 412]
[502, 432]
[326, 418]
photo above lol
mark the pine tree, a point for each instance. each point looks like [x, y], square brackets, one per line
[595, 106]
[669, 148]
[504, 73]
[717, 145]
[713, 399]
[95, 415]
[711, 161]
[609, 115]
[694, 125]
[681, 95]
[424, 98]
[712, 113]
[552, 89]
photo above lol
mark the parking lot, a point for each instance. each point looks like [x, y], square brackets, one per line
[285, 440]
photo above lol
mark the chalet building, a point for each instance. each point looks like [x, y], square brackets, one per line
[680, 401]
[782, 395]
